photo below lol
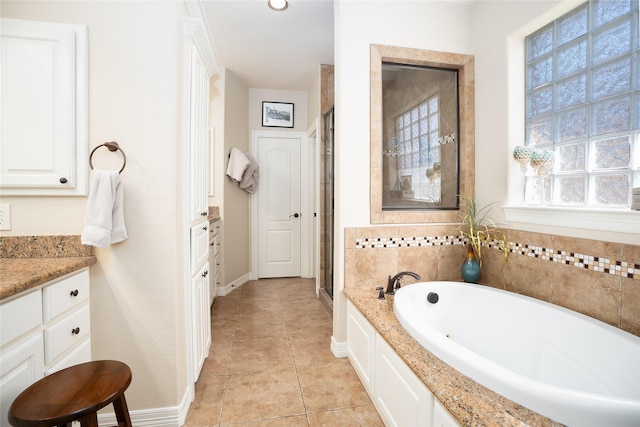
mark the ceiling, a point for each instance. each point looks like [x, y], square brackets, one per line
[268, 49]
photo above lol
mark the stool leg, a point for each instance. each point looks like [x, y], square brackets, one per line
[89, 420]
[122, 412]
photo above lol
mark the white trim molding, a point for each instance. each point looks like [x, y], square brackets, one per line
[174, 416]
[339, 348]
[621, 221]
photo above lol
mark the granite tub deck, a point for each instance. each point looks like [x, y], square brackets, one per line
[27, 262]
[470, 403]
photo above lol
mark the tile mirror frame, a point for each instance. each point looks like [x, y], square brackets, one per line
[466, 165]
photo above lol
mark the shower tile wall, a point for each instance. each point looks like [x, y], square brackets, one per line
[599, 279]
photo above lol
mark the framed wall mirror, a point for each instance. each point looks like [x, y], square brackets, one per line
[422, 145]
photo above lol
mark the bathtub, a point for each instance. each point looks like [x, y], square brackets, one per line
[561, 364]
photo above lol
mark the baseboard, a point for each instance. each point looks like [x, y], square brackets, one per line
[175, 416]
[226, 290]
[339, 349]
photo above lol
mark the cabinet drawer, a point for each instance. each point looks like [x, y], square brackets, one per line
[65, 333]
[80, 354]
[199, 245]
[214, 229]
[214, 245]
[20, 315]
[65, 294]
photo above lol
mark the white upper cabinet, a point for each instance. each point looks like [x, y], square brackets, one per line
[43, 115]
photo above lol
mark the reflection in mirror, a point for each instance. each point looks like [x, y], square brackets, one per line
[420, 143]
[422, 134]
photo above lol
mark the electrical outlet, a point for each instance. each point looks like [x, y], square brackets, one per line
[5, 216]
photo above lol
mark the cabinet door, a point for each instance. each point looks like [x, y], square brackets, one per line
[20, 366]
[201, 318]
[198, 137]
[19, 316]
[215, 258]
[361, 346]
[400, 397]
[199, 245]
[44, 108]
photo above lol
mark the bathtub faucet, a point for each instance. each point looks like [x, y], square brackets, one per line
[394, 282]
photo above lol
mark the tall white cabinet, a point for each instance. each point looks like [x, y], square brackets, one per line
[199, 67]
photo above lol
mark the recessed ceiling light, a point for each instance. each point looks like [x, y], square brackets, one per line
[278, 4]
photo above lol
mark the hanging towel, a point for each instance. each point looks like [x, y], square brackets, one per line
[104, 217]
[251, 177]
[238, 162]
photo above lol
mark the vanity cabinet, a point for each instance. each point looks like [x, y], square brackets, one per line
[44, 116]
[43, 331]
[399, 396]
[215, 256]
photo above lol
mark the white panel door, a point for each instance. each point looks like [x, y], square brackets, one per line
[279, 206]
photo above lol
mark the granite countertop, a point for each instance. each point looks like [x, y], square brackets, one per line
[470, 403]
[214, 213]
[29, 261]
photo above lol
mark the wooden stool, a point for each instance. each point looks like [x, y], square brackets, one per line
[74, 394]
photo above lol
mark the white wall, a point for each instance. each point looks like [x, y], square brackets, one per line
[134, 98]
[440, 26]
[298, 98]
[236, 247]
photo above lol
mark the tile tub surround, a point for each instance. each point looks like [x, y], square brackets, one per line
[29, 261]
[469, 402]
[596, 278]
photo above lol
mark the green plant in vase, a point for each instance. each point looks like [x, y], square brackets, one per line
[478, 229]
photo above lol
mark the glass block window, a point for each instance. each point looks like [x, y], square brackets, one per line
[418, 131]
[583, 104]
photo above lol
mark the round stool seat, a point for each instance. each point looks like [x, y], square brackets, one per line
[74, 393]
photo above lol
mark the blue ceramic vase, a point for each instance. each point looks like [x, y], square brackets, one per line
[470, 266]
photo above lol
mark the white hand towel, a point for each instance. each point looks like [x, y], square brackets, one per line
[104, 217]
[251, 177]
[238, 162]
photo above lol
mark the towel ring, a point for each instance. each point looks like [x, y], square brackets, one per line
[111, 146]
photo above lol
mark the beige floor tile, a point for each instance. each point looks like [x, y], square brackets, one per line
[271, 365]
[305, 345]
[296, 421]
[219, 359]
[261, 354]
[350, 417]
[331, 386]
[262, 395]
[260, 326]
[206, 408]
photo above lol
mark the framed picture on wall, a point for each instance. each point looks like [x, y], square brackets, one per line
[277, 114]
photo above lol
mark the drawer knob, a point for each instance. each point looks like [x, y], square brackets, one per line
[63, 180]
[75, 331]
[74, 293]
[204, 228]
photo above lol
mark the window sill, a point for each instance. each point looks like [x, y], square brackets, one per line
[621, 221]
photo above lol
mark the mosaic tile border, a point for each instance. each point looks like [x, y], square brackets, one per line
[589, 262]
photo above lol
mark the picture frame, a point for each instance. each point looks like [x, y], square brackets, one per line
[277, 114]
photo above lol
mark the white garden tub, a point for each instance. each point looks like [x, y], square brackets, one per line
[566, 366]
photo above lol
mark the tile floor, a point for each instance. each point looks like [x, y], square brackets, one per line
[270, 363]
